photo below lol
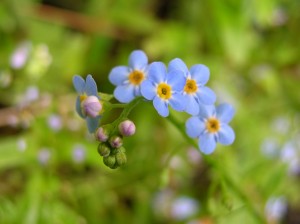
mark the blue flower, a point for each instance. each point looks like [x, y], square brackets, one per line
[88, 105]
[128, 79]
[195, 91]
[211, 126]
[164, 88]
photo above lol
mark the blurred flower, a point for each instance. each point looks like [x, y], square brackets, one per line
[21, 144]
[44, 155]
[211, 126]
[281, 125]
[166, 205]
[275, 209]
[288, 152]
[279, 17]
[184, 207]
[164, 88]
[78, 153]
[128, 79]
[294, 166]
[85, 89]
[5, 78]
[31, 94]
[40, 61]
[270, 147]
[55, 122]
[195, 91]
[20, 55]
[176, 162]
[290, 155]
[13, 120]
[194, 156]
[162, 203]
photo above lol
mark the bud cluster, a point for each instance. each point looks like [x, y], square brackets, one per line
[111, 142]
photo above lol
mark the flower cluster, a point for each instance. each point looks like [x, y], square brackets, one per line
[172, 86]
[111, 143]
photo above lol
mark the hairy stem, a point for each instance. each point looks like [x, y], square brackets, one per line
[126, 111]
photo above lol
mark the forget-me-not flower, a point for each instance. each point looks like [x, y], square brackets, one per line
[88, 105]
[195, 91]
[211, 126]
[164, 88]
[128, 79]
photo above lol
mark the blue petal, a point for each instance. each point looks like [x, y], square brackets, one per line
[157, 72]
[200, 73]
[118, 75]
[177, 102]
[178, 64]
[91, 86]
[206, 95]
[148, 90]
[137, 91]
[161, 106]
[225, 112]
[176, 80]
[194, 127]
[138, 60]
[92, 123]
[192, 105]
[78, 107]
[124, 93]
[226, 135]
[207, 143]
[206, 111]
[79, 84]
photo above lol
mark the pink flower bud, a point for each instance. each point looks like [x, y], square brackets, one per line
[101, 134]
[127, 128]
[91, 106]
[116, 141]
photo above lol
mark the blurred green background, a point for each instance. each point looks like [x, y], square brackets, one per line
[50, 171]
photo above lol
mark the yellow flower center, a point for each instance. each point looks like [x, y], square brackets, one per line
[212, 125]
[190, 86]
[82, 97]
[164, 91]
[136, 77]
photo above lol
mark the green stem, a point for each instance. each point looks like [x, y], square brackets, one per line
[220, 170]
[127, 109]
[117, 105]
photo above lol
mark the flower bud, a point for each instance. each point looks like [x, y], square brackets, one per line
[110, 161]
[101, 134]
[121, 158]
[103, 150]
[116, 141]
[91, 106]
[127, 128]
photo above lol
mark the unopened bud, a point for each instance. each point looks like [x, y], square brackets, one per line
[91, 106]
[121, 158]
[110, 161]
[116, 141]
[103, 150]
[127, 128]
[101, 134]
